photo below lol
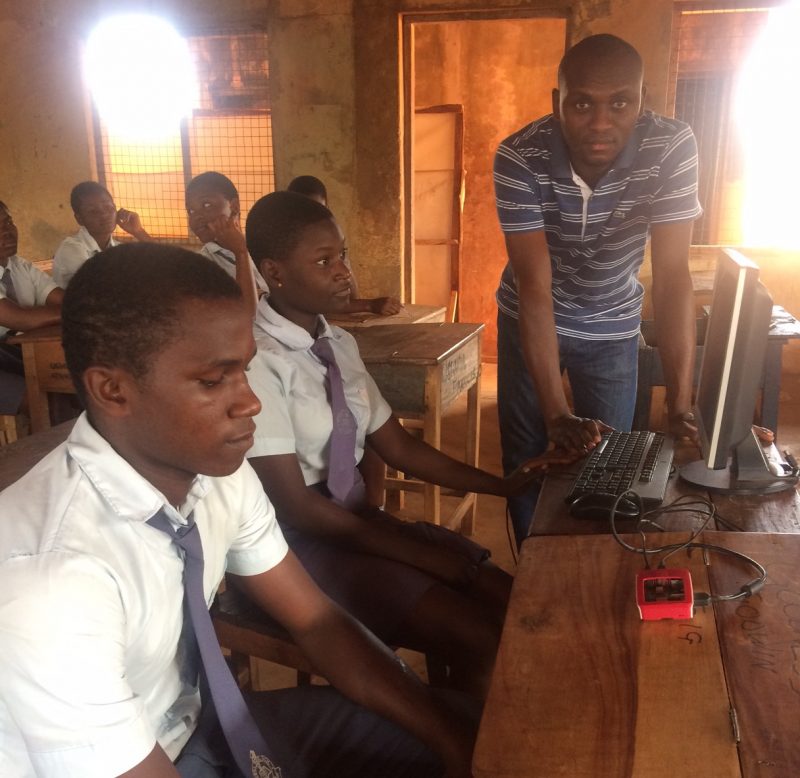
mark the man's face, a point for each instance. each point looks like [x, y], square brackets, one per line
[597, 107]
[8, 236]
[204, 206]
[193, 411]
[98, 214]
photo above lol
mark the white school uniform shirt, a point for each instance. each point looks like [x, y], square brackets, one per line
[289, 380]
[227, 261]
[72, 253]
[31, 285]
[91, 606]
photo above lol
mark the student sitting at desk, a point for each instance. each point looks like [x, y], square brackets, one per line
[312, 187]
[414, 585]
[29, 298]
[112, 547]
[212, 203]
[98, 217]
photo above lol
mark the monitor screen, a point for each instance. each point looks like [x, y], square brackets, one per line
[731, 375]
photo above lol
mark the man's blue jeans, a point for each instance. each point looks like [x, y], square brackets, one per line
[602, 376]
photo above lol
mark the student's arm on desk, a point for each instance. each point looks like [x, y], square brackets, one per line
[21, 318]
[673, 304]
[404, 452]
[530, 259]
[356, 662]
[381, 306]
[307, 510]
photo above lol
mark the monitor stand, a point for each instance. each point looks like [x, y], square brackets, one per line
[748, 472]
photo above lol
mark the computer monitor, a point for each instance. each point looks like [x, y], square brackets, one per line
[731, 375]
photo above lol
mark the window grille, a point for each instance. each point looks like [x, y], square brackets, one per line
[230, 131]
[710, 45]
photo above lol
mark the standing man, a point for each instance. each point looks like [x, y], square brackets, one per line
[577, 193]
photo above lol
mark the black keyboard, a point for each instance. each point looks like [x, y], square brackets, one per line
[638, 461]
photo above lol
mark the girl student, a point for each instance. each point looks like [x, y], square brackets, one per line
[414, 585]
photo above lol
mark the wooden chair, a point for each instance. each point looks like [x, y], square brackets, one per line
[8, 430]
[247, 632]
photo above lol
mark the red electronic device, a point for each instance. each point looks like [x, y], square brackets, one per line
[664, 593]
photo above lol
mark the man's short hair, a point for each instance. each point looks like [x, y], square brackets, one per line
[85, 189]
[4, 207]
[309, 186]
[121, 307]
[599, 50]
[215, 182]
[277, 220]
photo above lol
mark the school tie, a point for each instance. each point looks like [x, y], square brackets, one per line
[342, 457]
[244, 738]
[11, 292]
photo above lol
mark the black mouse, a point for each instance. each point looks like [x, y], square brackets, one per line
[598, 506]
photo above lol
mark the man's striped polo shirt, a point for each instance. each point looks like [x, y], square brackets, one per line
[595, 254]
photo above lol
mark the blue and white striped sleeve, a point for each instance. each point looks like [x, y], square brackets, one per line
[676, 199]
[519, 206]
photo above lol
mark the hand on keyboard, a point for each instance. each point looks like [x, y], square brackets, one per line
[574, 433]
[524, 475]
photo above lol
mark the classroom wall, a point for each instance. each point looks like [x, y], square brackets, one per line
[337, 99]
[501, 71]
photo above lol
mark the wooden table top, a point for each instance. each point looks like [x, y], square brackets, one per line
[39, 334]
[422, 344]
[583, 687]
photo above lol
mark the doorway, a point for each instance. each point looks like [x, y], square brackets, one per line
[498, 69]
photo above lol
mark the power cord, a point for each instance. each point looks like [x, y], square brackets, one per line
[704, 508]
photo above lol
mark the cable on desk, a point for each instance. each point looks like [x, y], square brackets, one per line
[682, 503]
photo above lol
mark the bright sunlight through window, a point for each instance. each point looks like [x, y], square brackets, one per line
[140, 73]
[768, 113]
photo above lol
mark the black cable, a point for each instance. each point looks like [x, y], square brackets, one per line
[512, 541]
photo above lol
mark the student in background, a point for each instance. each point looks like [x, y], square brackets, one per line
[382, 306]
[29, 298]
[98, 217]
[212, 203]
[413, 584]
[99, 675]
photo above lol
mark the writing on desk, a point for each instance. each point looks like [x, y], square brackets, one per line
[693, 635]
[772, 652]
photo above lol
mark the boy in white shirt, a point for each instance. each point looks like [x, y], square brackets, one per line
[28, 298]
[99, 675]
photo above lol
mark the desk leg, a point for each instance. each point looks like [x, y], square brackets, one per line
[38, 405]
[770, 394]
[432, 435]
[472, 448]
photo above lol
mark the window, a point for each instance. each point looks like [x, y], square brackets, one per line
[230, 131]
[711, 43]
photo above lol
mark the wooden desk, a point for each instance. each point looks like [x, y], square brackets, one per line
[411, 314]
[583, 689]
[45, 371]
[420, 370]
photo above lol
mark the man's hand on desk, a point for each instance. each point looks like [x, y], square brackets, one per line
[575, 434]
[535, 468]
